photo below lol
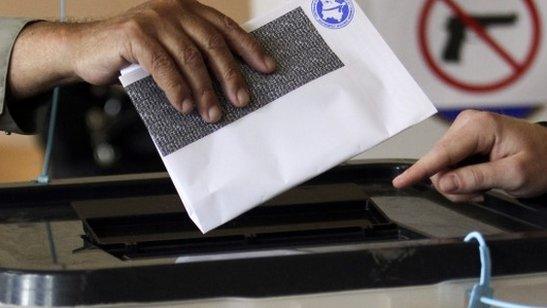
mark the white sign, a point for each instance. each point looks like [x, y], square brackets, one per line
[469, 53]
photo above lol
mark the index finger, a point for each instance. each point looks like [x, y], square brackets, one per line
[239, 40]
[458, 144]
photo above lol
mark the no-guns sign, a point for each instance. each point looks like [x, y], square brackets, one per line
[469, 53]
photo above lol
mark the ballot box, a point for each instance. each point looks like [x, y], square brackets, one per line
[337, 238]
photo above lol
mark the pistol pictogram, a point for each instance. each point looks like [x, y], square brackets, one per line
[457, 31]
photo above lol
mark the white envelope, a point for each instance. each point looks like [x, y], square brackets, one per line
[304, 132]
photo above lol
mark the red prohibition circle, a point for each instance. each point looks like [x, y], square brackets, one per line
[499, 84]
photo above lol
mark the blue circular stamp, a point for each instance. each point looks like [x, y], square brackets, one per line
[333, 14]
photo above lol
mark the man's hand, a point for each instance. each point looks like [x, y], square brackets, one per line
[178, 41]
[516, 152]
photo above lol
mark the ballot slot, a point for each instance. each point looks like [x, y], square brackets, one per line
[151, 210]
[334, 208]
[309, 215]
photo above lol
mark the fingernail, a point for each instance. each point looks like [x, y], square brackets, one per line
[449, 183]
[270, 63]
[243, 97]
[214, 114]
[187, 106]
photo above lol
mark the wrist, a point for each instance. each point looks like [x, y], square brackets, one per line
[40, 59]
[59, 40]
[64, 38]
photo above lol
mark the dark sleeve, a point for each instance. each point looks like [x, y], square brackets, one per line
[11, 121]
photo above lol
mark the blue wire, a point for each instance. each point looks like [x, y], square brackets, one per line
[483, 288]
[502, 304]
[43, 178]
[486, 264]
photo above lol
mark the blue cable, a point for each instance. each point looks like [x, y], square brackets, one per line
[43, 178]
[502, 304]
[482, 295]
[486, 264]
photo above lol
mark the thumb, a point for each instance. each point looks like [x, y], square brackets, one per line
[475, 178]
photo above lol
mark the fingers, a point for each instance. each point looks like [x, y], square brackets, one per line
[243, 43]
[514, 151]
[477, 196]
[180, 43]
[191, 63]
[220, 59]
[446, 153]
[476, 178]
[467, 136]
[152, 56]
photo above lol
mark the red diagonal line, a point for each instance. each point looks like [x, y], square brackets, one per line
[481, 32]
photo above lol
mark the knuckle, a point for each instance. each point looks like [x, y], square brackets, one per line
[488, 122]
[479, 120]
[153, 12]
[229, 24]
[207, 90]
[466, 116]
[519, 173]
[173, 93]
[231, 74]
[190, 56]
[215, 41]
[179, 92]
[132, 28]
[174, 89]
[167, 9]
[475, 116]
[159, 18]
[161, 64]
[476, 177]
[486, 118]
[175, 86]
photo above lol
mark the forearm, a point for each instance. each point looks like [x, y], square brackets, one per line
[182, 44]
[40, 59]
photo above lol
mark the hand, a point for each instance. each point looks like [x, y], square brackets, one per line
[177, 41]
[516, 151]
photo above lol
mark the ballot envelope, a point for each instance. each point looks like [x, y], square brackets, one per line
[338, 90]
[344, 236]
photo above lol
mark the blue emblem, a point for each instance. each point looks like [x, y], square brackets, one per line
[333, 14]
